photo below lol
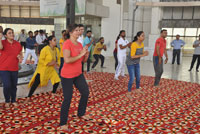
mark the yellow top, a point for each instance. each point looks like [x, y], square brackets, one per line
[46, 72]
[134, 47]
[97, 46]
[61, 42]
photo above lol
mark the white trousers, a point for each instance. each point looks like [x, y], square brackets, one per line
[121, 66]
[32, 53]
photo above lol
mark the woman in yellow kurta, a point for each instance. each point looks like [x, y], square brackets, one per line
[45, 71]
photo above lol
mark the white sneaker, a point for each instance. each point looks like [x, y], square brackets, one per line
[123, 75]
[116, 78]
[93, 70]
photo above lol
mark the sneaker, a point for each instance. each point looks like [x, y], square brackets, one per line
[197, 70]
[103, 67]
[92, 70]
[190, 70]
[116, 78]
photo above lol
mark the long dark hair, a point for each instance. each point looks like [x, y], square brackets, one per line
[71, 28]
[50, 38]
[118, 37]
[137, 35]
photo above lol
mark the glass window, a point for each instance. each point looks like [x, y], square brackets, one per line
[189, 42]
[169, 40]
[198, 32]
[191, 32]
[179, 31]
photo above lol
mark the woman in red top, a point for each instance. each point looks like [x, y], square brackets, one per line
[10, 52]
[71, 73]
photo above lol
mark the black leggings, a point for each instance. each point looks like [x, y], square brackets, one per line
[67, 84]
[194, 58]
[37, 83]
[97, 57]
[116, 59]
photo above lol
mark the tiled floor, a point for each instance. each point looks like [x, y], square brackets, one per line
[175, 72]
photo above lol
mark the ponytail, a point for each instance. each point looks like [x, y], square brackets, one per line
[135, 39]
[50, 38]
[137, 35]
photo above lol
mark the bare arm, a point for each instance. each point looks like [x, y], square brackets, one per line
[166, 53]
[20, 56]
[69, 59]
[158, 51]
[86, 57]
[123, 47]
[139, 56]
[90, 43]
[1, 45]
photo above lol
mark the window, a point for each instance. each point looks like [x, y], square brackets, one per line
[179, 31]
[198, 33]
[189, 35]
[169, 31]
[191, 32]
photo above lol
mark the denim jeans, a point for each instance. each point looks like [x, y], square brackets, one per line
[134, 71]
[9, 80]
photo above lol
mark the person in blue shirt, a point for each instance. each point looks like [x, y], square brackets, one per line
[30, 48]
[177, 44]
[88, 41]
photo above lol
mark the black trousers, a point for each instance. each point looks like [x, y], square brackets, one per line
[9, 80]
[176, 53]
[40, 47]
[194, 58]
[67, 84]
[23, 44]
[88, 63]
[116, 59]
[61, 65]
[37, 83]
[97, 57]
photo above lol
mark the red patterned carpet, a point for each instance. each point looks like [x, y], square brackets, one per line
[174, 107]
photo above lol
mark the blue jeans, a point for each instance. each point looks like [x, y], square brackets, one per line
[9, 80]
[134, 71]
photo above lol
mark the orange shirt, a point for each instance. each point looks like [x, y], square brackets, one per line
[162, 43]
[74, 69]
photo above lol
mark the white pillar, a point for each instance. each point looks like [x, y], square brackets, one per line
[155, 30]
[59, 25]
[156, 17]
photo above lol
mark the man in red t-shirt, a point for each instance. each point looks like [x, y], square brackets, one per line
[160, 50]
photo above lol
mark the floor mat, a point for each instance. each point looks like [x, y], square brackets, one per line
[173, 107]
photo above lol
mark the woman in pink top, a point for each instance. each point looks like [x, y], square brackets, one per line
[71, 73]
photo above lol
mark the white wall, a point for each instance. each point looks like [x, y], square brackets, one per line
[110, 27]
